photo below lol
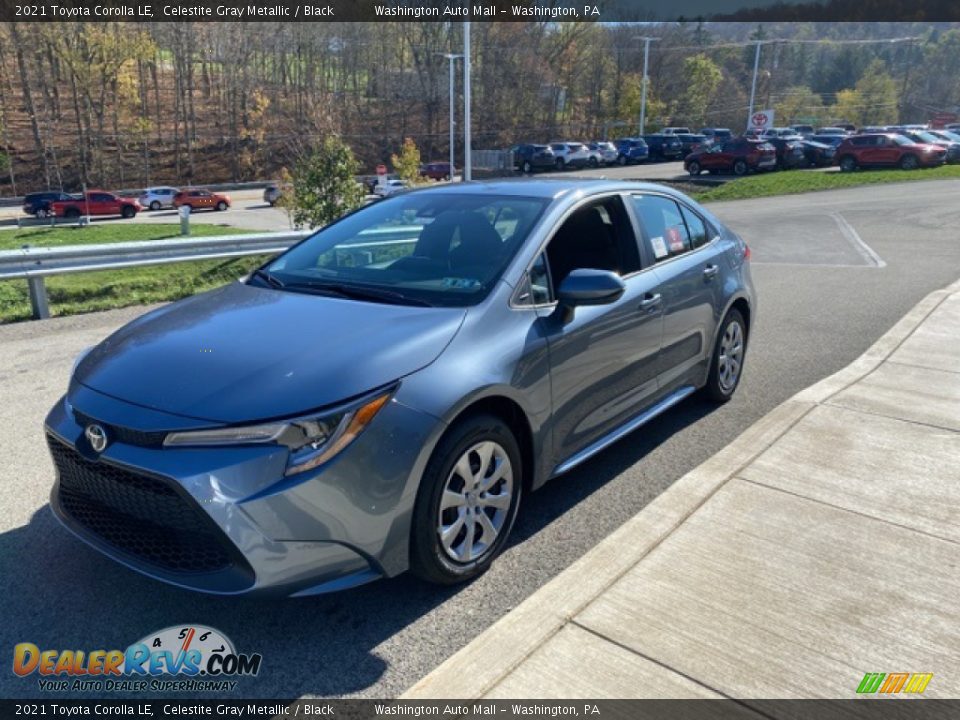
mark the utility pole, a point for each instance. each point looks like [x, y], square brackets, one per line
[753, 86]
[452, 58]
[467, 153]
[646, 79]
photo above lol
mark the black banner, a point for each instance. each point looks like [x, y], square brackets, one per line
[483, 10]
[184, 709]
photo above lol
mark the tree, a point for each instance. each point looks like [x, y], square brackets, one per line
[407, 163]
[324, 184]
[800, 104]
[873, 101]
[703, 78]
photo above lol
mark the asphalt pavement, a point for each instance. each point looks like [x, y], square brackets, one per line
[834, 271]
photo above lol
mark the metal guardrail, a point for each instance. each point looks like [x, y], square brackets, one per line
[33, 264]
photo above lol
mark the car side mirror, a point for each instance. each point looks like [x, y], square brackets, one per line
[588, 287]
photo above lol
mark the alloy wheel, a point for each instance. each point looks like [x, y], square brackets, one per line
[476, 502]
[730, 359]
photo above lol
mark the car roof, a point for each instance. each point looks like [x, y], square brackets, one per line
[544, 188]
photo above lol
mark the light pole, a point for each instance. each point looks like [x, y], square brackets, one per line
[467, 154]
[452, 58]
[753, 85]
[643, 92]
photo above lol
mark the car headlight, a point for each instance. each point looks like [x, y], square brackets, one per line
[312, 440]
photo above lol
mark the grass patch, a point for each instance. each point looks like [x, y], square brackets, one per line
[107, 289]
[794, 181]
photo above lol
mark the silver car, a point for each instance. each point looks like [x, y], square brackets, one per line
[381, 396]
[156, 198]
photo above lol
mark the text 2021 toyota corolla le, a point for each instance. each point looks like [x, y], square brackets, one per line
[379, 397]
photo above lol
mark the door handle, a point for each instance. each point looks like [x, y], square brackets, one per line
[650, 301]
[710, 271]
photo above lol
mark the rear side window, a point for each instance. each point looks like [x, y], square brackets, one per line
[696, 228]
[664, 225]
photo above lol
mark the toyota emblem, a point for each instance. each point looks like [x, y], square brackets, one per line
[97, 437]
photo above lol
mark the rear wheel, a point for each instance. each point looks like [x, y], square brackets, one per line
[848, 163]
[592, 162]
[127, 212]
[909, 162]
[740, 167]
[72, 213]
[527, 167]
[622, 159]
[728, 353]
[155, 205]
[694, 168]
[559, 163]
[467, 501]
[41, 213]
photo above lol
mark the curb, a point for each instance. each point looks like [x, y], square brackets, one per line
[476, 668]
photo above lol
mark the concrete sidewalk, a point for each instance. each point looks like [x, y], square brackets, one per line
[822, 544]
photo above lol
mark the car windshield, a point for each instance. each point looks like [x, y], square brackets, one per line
[423, 249]
[952, 136]
[928, 137]
[903, 140]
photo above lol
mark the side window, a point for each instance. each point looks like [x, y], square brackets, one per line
[598, 236]
[536, 287]
[696, 228]
[661, 219]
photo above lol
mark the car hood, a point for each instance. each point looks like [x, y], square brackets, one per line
[244, 353]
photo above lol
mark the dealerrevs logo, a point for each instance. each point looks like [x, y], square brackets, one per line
[182, 657]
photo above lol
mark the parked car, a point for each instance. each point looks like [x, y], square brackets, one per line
[952, 127]
[38, 203]
[926, 137]
[528, 157]
[96, 202]
[365, 412]
[887, 150]
[715, 134]
[690, 142]
[438, 170]
[602, 152]
[946, 135]
[197, 199]
[570, 155]
[156, 198]
[804, 131]
[831, 130]
[818, 154]
[272, 194]
[790, 153]
[832, 140]
[390, 187]
[663, 147]
[778, 132]
[675, 131]
[738, 156]
[632, 150]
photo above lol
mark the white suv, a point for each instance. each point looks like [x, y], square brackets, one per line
[570, 154]
[158, 197]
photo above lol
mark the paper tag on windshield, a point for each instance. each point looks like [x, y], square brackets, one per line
[659, 247]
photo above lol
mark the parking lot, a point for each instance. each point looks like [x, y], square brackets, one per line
[833, 272]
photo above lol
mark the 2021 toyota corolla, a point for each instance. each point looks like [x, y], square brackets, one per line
[383, 394]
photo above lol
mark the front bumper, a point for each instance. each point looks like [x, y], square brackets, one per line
[226, 520]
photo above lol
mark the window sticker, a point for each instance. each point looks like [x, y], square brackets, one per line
[675, 240]
[659, 247]
[454, 283]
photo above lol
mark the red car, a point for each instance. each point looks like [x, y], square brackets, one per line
[201, 200]
[96, 202]
[437, 171]
[887, 150]
[737, 155]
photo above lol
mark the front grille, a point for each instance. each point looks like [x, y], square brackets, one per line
[118, 433]
[140, 515]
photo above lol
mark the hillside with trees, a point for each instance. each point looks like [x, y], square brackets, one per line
[129, 104]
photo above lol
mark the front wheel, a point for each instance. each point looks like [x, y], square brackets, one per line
[909, 162]
[694, 168]
[848, 163]
[527, 167]
[592, 162]
[622, 159]
[221, 206]
[559, 163]
[740, 167]
[155, 205]
[726, 364]
[127, 212]
[467, 501]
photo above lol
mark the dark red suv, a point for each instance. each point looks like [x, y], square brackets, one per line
[887, 150]
[737, 155]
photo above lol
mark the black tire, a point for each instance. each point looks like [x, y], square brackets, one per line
[848, 163]
[155, 205]
[127, 212]
[559, 164]
[622, 159]
[71, 213]
[41, 213]
[221, 206]
[592, 162]
[715, 389]
[428, 559]
[740, 167]
[527, 167]
[909, 162]
[694, 168]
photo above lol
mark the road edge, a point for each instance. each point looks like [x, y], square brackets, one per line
[477, 667]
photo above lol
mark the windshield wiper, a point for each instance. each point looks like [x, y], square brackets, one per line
[267, 277]
[359, 292]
